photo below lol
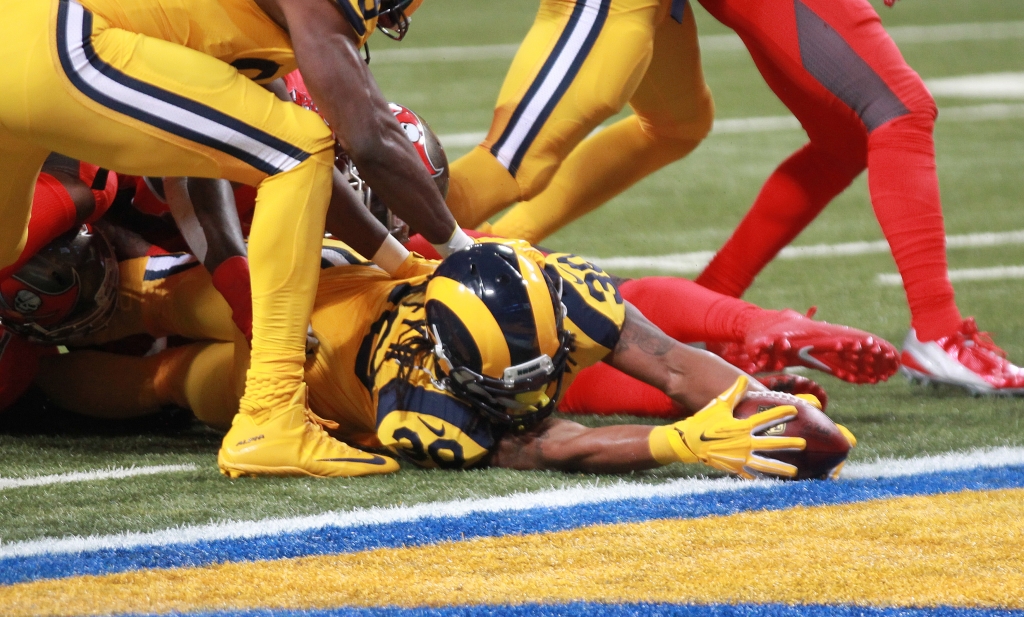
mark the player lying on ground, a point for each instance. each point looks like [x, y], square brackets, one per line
[437, 373]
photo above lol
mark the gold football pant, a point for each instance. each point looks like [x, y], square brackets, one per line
[581, 62]
[145, 106]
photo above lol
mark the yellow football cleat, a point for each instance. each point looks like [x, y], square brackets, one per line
[293, 443]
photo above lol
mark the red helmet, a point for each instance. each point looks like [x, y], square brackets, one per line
[66, 290]
[431, 154]
[394, 16]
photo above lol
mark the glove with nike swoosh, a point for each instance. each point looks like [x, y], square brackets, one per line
[714, 437]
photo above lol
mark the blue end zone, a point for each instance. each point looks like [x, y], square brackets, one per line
[334, 540]
[589, 609]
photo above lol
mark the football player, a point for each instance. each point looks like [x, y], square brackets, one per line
[138, 87]
[581, 62]
[835, 67]
[456, 368]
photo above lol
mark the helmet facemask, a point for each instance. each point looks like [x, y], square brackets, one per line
[393, 18]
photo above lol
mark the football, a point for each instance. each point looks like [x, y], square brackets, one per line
[826, 445]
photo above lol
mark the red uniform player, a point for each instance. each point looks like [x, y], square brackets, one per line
[835, 67]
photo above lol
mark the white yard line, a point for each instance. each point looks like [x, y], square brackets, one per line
[88, 476]
[903, 35]
[559, 498]
[983, 86]
[689, 263]
[764, 124]
[997, 273]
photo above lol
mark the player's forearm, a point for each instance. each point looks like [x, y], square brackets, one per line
[349, 98]
[690, 376]
[562, 445]
[214, 205]
[351, 222]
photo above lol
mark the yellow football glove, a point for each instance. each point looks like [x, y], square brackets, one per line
[714, 437]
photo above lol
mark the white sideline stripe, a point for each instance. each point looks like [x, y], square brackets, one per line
[944, 33]
[688, 263]
[997, 273]
[558, 498]
[764, 124]
[87, 476]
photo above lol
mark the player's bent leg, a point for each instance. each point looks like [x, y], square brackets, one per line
[578, 65]
[674, 112]
[179, 112]
[20, 162]
[755, 339]
[792, 197]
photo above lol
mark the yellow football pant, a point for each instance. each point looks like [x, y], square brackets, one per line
[533, 150]
[145, 106]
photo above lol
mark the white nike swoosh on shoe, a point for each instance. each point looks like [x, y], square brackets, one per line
[805, 355]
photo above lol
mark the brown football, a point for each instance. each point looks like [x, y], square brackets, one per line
[826, 445]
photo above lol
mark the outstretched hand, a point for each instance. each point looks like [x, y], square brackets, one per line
[718, 439]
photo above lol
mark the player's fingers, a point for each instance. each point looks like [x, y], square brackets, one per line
[834, 474]
[810, 398]
[770, 417]
[735, 392]
[732, 464]
[767, 467]
[771, 444]
[849, 435]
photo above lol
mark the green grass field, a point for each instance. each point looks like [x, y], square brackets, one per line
[689, 206]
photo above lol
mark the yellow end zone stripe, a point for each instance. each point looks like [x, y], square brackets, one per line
[961, 549]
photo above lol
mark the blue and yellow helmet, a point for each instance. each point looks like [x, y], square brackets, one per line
[496, 320]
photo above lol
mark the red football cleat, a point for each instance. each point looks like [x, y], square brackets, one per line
[966, 358]
[791, 339]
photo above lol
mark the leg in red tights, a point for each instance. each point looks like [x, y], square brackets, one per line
[839, 72]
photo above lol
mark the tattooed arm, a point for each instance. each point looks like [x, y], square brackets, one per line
[691, 376]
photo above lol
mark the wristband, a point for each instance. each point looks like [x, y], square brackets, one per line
[457, 242]
[667, 446]
[231, 279]
[391, 255]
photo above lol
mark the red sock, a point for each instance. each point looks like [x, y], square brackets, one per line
[688, 312]
[53, 213]
[103, 191]
[231, 278]
[905, 195]
[789, 200]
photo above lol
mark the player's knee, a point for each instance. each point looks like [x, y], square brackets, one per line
[920, 113]
[683, 131]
